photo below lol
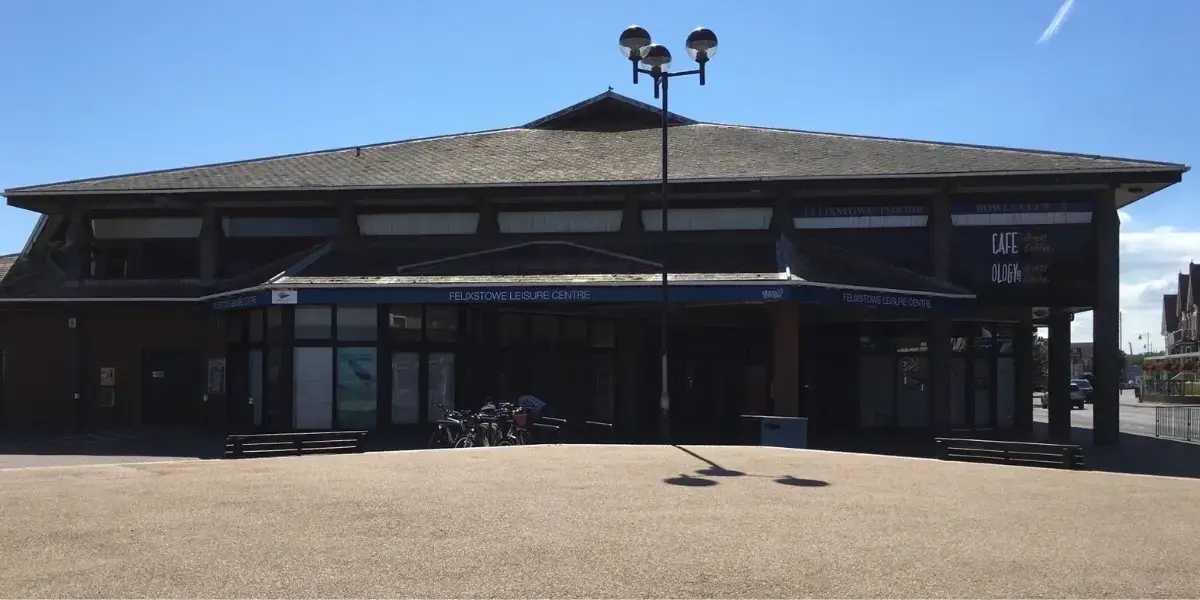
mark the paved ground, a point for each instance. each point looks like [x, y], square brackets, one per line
[1136, 418]
[106, 447]
[592, 521]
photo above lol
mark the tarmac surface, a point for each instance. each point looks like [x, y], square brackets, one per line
[595, 521]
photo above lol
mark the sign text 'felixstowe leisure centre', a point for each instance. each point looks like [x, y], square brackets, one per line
[886, 300]
[520, 295]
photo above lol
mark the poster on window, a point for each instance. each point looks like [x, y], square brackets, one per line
[356, 388]
[313, 371]
[216, 375]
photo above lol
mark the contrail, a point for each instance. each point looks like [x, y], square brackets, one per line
[1059, 18]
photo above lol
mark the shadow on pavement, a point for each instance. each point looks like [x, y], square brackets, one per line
[163, 443]
[715, 470]
[1137, 454]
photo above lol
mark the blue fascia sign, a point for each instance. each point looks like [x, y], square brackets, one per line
[682, 293]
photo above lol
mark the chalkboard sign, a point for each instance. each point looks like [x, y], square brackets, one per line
[1029, 265]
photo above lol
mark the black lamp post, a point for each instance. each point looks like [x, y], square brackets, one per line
[655, 61]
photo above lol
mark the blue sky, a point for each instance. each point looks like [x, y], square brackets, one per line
[100, 88]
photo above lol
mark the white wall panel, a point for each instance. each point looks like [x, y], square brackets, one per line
[709, 219]
[560, 221]
[418, 224]
[127, 228]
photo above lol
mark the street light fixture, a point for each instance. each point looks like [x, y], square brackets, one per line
[637, 46]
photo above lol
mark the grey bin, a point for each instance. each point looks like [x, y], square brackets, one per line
[781, 432]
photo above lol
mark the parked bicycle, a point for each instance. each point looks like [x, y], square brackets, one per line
[494, 424]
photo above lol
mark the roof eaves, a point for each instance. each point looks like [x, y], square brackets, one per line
[46, 188]
[1182, 168]
[28, 192]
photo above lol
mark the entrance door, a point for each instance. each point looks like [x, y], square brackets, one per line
[171, 386]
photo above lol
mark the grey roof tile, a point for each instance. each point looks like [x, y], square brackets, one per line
[531, 155]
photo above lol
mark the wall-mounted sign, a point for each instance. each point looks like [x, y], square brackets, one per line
[283, 296]
[808, 216]
[108, 376]
[1027, 265]
[238, 301]
[1000, 214]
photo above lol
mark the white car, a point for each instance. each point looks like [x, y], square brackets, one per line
[1078, 400]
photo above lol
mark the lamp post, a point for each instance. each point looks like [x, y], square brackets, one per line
[655, 61]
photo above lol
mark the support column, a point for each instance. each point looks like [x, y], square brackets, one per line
[1059, 385]
[781, 214]
[489, 221]
[1023, 372]
[941, 355]
[631, 216]
[210, 245]
[347, 221]
[79, 242]
[1106, 323]
[74, 363]
[785, 376]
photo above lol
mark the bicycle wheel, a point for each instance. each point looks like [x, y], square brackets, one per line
[464, 442]
[441, 439]
[522, 437]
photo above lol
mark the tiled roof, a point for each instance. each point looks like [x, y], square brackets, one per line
[589, 154]
[1170, 313]
[6, 263]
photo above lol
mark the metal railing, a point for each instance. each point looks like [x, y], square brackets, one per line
[1177, 422]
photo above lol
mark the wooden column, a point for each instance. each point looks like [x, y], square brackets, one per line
[210, 245]
[1059, 387]
[1106, 319]
[941, 356]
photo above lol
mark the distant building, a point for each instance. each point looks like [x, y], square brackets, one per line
[1179, 316]
[1081, 359]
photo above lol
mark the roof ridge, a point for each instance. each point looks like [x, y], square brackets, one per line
[951, 144]
[263, 159]
[608, 94]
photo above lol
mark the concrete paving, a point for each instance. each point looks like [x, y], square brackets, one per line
[595, 521]
[1136, 418]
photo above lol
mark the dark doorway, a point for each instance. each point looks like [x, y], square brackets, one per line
[171, 387]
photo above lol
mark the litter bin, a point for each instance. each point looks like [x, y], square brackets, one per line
[781, 432]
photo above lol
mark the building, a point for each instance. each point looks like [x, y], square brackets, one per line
[1180, 314]
[1081, 359]
[866, 283]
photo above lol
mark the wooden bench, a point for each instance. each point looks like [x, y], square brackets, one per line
[1062, 456]
[294, 444]
[580, 431]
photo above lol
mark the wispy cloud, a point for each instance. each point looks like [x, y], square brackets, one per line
[1059, 18]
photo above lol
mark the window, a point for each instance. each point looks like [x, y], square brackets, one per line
[406, 389]
[441, 323]
[356, 323]
[913, 394]
[357, 385]
[279, 226]
[314, 322]
[313, 383]
[441, 383]
[604, 389]
[405, 323]
[574, 332]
